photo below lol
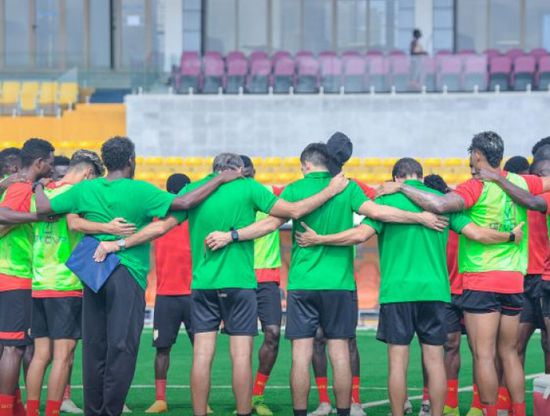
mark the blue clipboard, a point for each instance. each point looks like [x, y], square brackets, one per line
[82, 264]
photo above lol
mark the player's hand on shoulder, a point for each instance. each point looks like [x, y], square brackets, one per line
[217, 240]
[104, 248]
[433, 221]
[388, 188]
[119, 226]
[231, 175]
[338, 183]
[307, 238]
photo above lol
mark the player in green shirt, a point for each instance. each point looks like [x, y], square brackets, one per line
[414, 285]
[321, 283]
[113, 317]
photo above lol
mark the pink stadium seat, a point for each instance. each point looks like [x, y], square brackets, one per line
[280, 54]
[428, 71]
[260, 72]
[327, 53]
[237, 69]
[349, 53]
[331, 73]
[213, 54]
[400, 70]
[524, 72]
[235, 54]
[466, 52]
[378, 69]
[538, 53]
[189, 75]
[374, 52]
[475, 72]
[491, 53]
[396, 52]
[500, 68]
[213, 73]
[283, 74]
[543, 75]
[188, 55]
[307, 74]
[450, 72]
[514, 53]
[301, 54]
[443, 52]
[354, 74]
[258, 55]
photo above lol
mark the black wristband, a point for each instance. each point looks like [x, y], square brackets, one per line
[512, 237]
[234, 235]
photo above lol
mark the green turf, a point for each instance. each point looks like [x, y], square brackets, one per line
[277, 395]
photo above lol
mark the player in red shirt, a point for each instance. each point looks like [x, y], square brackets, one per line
[319, 360]
[173, 300]
[16, 270]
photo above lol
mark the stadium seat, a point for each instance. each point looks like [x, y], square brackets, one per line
[212, 54]
[443, 52]
[301, 54]
[47, 96]
[428, 72]
[280, 54]
[374, 52]
[543, 74]
[354, 74]
[235, 55]
[331, 73]
[283, 74]
[400, 72]
[491, 53]
[450, 72]
[377, 73]
[465, 52]
[307, 79]
[237, 69]
[258, 55]
[260, 71]
[324, 54]
[28, 98]
[10, 95]
[538, 53]
[514, 53]
[189, 74]
[68, 94]
[524, 72]
[213, 74]
[396, 52]
[475, 72]
[500, 68]
[349, 53]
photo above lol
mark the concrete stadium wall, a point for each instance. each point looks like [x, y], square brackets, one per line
[431, 125]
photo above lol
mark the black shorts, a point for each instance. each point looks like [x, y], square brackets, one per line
[532, 309]
[474, 301]
[237, 308]
[15, 317]
[454, 317]
[170, 312]
[334, 311]
[56, 318]
[545, 300]
[399, 321]
[270, 311]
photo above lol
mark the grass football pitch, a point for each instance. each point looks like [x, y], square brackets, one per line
[277, 394]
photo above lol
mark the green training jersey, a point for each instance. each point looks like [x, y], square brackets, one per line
[323, 267]
[53, 245]
[496, 210]
[413, 258]
[102, 200]
[232, 206]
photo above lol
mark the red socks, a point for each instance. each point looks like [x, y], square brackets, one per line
[67, 392]
[504, 401]
[259, 384]
[425, 394]
[18, 408]
[160, 388]
[490, 410]
[355, 390]
[452, 393]
[6, 405]
[33, 407]
[518, 409]
[52, 408]
[322, 389]
[476, 403]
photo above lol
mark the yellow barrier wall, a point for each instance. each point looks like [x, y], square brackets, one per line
[95, 122]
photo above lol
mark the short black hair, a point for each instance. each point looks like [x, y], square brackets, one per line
[90, 158]
[405, 167]
[417, 33]
[540, 167]
[61, 161]
[316, 153]
[517, 164]
[437, 182]
[177, 182]
[340, 149]
[540, 144]
[34, 149]
[7, 153]
[490, 145]
[247, 161]
[116, 152]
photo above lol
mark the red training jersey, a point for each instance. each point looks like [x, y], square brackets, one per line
[173, 262]
[493, 281]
